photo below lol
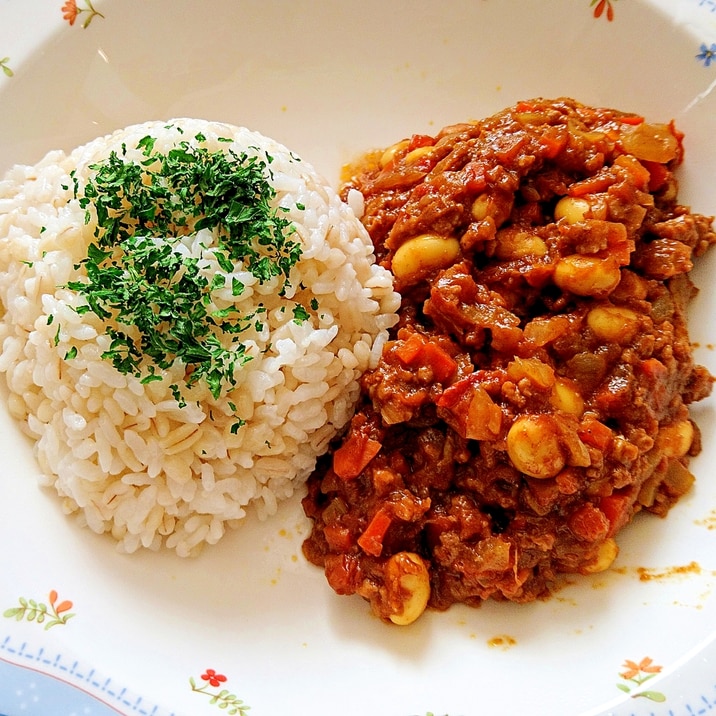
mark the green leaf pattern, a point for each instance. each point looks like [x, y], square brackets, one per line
[49, 614]
[223, 699]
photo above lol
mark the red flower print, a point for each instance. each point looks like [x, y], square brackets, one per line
[222, 699]
[645, 666]
[213, 678]
[70, 11]
[602, 5]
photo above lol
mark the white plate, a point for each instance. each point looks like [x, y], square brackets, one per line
[330, 80]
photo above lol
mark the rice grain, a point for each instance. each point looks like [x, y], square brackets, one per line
[124, 456]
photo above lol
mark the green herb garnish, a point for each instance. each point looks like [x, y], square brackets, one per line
[156, 300]
[300, 314]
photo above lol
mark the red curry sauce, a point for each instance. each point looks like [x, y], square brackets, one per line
[534, 394]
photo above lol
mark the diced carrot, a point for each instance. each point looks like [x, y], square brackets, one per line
[371, 541]
[409, 349]
[353, 456]
[616, 508]
[554, 141]
[591, 185]
[442, 363]
[595, 434]
[416, 350]
[632, 119]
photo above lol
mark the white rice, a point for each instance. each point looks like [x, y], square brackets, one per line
[123, 455]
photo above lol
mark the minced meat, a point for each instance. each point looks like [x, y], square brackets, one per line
[534, 395]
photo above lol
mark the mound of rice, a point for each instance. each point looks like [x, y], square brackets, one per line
[132, 457]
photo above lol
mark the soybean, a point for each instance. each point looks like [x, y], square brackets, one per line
[422, 255]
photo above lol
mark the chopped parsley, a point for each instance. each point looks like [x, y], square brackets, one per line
[155, 300]
[300, 314]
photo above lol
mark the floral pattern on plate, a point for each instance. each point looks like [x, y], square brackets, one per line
[603, 7]
[84, 12]
[223, 699]
[39, 612]
[636, 675]
[71, 11]
[20, 658]
[707, 54]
